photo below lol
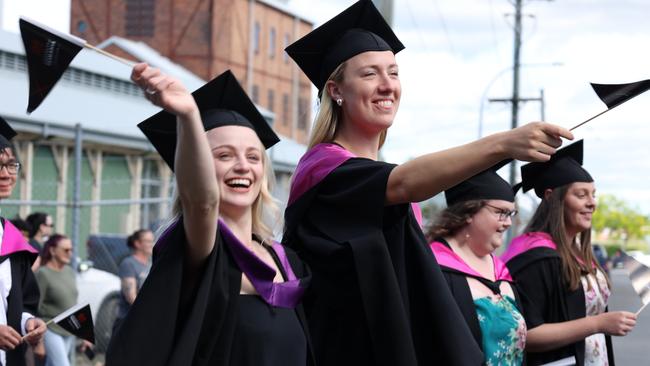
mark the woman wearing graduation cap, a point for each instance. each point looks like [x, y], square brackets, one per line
[220, 291]
[18, 327]
[378, 295]
[464, 239]
[564, 289]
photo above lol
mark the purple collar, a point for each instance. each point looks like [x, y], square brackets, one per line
[314, 166]
[532, 240]
[281, 294]
[13, 241]
[448, 258]
[526, 242]
[317, 163]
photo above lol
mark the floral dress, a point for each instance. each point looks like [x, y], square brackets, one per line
[503, 330]
[596, 296]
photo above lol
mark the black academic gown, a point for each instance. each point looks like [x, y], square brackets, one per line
[162, 328]
[460, 290]
[23, 297]
[377, 295]
[546, 298]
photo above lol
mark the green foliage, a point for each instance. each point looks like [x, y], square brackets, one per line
[623, 221]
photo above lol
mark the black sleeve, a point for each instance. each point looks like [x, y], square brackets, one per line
[536, 288]
[353, 196]
[31, 294]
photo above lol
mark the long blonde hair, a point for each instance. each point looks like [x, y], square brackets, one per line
[549, 218]
[329, 116]
[265, 210]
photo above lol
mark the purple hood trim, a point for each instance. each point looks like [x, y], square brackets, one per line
[314, 166]
[448, 258]
[13, 241]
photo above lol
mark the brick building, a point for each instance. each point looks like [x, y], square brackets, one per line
[209, 36]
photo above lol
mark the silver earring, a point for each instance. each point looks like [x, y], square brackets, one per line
[339, 101]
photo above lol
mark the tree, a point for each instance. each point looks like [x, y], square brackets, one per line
[623, 221]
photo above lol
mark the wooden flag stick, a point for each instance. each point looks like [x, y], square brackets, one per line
[116, 58]
[643, 307]
[582, 123]
[47, 324]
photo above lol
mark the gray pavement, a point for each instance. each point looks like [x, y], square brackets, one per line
[633, 349]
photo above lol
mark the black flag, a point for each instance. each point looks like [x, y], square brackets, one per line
[614, 94]
[77, 320]
[48, 54]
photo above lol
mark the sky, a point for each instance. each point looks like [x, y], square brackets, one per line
[459, 53]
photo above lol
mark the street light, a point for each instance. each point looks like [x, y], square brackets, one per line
[495, 78]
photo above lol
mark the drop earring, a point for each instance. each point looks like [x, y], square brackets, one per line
[339, 102]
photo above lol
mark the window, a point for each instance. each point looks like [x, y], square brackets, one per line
[139, 18]
[287, 39]
[255, 94]
[271, 99]
[256, 38]
[285, 109]
[303, 114]
[272, 43]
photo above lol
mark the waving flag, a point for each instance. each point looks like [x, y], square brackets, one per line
[48, 54]
[77, 320]
[614, 95]
[639, 277]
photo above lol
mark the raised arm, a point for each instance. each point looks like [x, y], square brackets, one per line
[428, 175]
[195, 174]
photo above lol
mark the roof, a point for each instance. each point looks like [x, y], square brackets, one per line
[97, 92]
[287, 10]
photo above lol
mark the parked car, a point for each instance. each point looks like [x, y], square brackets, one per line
[101, 290]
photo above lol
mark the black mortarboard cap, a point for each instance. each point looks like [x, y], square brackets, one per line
[564, 167]
[222, 102]
[486, 185]
[6, 134]
[359, 28]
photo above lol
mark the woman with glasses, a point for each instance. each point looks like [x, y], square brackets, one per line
[564, 289]
[58, 287]
[18, 287]
[464, 238]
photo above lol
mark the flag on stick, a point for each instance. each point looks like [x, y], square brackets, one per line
[639, 277]
[77, 320]
[614, 95]
[49, 53]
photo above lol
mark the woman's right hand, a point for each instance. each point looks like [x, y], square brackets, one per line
[616, 323]
[535, 141]
[163, 90]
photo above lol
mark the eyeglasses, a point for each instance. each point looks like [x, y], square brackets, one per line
[12, 168]
[66, 250]
[503, 214]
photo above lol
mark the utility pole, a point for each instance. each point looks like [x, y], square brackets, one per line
[515, 82]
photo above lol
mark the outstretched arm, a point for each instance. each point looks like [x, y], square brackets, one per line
[195, 174]
[428, 175]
